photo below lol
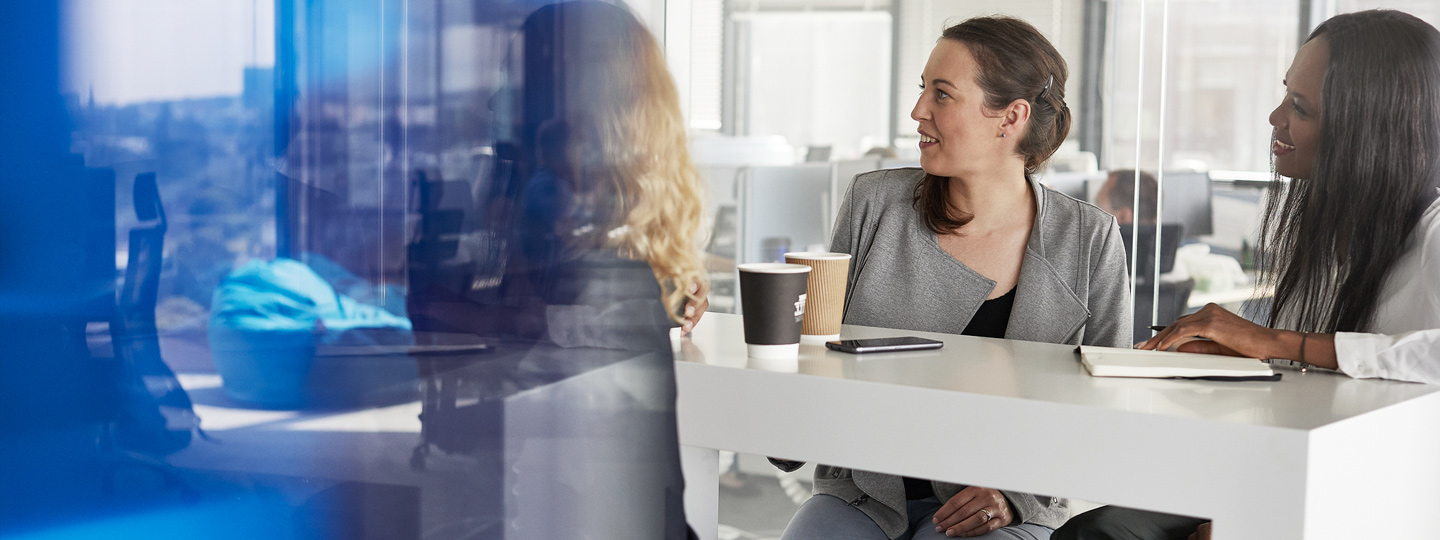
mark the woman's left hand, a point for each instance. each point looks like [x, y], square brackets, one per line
[972, 512]
[694, 309]
[1203, 533]
[1228, 333]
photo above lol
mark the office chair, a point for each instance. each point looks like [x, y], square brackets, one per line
[153, 416]
[434, 272]
[440, 282]
[1170, 236]
[1173, 295]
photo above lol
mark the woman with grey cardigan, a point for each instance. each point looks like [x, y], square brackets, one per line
[971, 244]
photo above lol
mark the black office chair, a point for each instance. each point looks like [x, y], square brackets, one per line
[152, 414]
[1170, 236]
[1173, 295]
[435, 274]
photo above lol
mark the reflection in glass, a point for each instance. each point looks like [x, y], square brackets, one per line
[324, 269]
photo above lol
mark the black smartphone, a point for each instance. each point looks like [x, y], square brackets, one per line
[890, 344]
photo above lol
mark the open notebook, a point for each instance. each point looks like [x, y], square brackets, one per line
[1112, 362]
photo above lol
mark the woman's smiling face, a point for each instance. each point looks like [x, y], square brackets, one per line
[957, 134]
[1297, 119]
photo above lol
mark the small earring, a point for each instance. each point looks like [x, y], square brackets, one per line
[1002, 135]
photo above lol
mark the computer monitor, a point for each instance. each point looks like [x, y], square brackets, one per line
[1074, 184]
[1187, 200]
[1170, 234]
[781, 209]
[815, 154]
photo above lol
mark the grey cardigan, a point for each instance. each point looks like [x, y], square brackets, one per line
[1073, 289]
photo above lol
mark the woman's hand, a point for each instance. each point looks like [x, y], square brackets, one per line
[972, 512]
[694, 309]
[1203, 533]
[1228, 333]
[1233, 335]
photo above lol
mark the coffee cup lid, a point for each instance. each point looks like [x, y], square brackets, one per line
[774, 268]
[817, 255]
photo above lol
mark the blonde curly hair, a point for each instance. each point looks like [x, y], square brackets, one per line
[618, 135]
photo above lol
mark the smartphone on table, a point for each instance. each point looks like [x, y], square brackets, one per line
[890, 344]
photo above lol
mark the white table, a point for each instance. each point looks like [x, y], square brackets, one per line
[1315, 455]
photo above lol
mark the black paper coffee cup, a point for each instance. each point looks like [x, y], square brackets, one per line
[772, 298]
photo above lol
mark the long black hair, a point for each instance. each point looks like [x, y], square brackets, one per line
[1332, 238]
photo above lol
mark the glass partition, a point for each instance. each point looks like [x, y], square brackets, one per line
[330, 268]
[1189, 87]
[341, 269]
[1177, 89]
[1170, 100]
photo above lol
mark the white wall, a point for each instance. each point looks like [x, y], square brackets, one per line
[818, 78]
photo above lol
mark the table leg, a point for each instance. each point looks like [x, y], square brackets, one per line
[702, 490]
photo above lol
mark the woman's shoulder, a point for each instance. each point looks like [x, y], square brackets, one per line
[1065, 213]
[1429, 224]
[887, 185]
[1425, 239]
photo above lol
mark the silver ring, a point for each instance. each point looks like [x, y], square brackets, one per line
[988, 515]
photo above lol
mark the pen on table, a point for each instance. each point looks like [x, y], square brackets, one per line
[1154, 328]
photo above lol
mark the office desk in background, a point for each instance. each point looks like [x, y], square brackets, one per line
[500, 441]
[1231, 299]
[1315, 455]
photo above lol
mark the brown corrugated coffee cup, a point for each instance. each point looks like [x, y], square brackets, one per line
[825, 293]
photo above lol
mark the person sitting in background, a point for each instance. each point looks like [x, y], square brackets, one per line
[1353, 238]
[1117, 196]
[971, 244]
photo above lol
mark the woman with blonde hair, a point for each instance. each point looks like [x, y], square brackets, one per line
[603, 153]
[604, 258]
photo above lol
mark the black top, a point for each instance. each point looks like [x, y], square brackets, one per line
[992, 318]
[989, 321]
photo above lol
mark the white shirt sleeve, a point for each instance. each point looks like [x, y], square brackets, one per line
[1406, 346]
[1412, 356]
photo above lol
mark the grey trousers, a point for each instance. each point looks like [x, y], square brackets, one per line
[824, 517]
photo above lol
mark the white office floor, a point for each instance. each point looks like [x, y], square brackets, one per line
[755, 507]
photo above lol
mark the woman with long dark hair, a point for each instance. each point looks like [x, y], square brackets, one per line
[970, 244]
[1352, 239]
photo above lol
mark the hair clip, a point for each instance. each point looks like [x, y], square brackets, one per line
[1048, 82]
